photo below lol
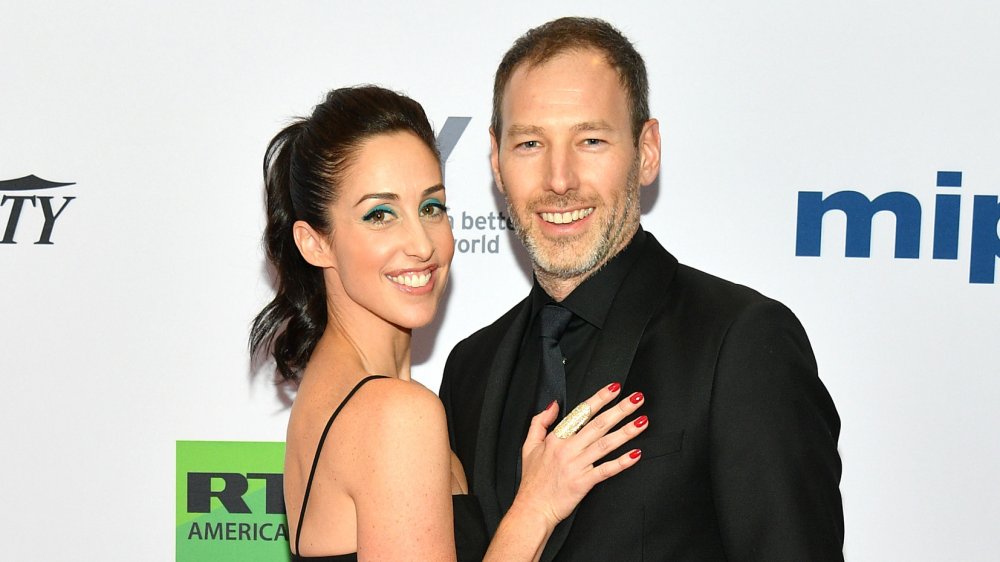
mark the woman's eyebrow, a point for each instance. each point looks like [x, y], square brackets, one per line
[395, 197]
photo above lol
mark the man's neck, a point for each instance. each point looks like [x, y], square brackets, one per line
[559, 287]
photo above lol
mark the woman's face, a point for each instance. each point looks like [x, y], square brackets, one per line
[392, 243]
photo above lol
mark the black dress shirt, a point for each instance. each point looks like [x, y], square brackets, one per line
[590, 303]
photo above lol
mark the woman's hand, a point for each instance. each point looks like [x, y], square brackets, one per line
[557, 473]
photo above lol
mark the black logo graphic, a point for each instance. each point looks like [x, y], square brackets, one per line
[235, 486]
[43, 202]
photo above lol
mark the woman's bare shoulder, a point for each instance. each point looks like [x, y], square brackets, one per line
[392, 396]
[398, 424]
[390, 410]
[377, 415]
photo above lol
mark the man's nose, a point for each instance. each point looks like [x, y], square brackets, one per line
[561, 173]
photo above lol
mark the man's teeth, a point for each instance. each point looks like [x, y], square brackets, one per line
[567, 217]
[411, 279]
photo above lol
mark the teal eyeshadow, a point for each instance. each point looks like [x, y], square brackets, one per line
[383, 208]
[433, 201]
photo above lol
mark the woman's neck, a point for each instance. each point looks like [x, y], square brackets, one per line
[377, 346]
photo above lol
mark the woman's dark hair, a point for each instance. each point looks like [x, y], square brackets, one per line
[303, 169]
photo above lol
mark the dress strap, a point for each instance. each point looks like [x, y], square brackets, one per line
[319, 449]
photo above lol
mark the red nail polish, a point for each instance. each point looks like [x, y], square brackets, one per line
[635, 398]
[641, 421]
[614, 387]
[636, 453]
[553, 403]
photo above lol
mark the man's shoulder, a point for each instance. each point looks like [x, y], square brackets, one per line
[711, 301]
[700, 288]
[697, 283]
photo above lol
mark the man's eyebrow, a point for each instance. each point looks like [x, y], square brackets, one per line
[532, 130]
[599, 125]
[525, 130]
[394, 197]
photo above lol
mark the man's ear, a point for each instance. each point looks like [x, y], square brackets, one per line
[313, 246]
[649, 152]
[495, 160]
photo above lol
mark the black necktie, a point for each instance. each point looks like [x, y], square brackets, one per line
[552, 384]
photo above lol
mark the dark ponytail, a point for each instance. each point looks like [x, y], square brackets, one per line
[303, 167]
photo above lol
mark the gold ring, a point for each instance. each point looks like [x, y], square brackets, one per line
[573, 422]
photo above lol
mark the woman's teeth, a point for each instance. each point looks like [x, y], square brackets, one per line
[411, 279]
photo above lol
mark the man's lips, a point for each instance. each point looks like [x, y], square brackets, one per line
[566, 217]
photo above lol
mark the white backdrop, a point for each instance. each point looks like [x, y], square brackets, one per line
[128, 332]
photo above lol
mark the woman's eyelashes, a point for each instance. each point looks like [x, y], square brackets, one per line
[432, 208]
[383, 214]
[379, 215]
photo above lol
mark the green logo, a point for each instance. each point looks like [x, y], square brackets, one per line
[230, 504]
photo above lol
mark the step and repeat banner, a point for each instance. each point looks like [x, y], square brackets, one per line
[843, 158]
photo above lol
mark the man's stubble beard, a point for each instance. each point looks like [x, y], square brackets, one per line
[550, 258]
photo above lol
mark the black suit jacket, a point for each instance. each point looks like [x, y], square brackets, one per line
[740, 458]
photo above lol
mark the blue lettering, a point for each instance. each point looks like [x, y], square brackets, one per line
[946, 215]
[859, 211]
[985, 241]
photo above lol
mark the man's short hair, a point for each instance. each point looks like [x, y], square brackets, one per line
[548, 40]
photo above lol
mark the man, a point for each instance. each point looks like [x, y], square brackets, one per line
[740, 458]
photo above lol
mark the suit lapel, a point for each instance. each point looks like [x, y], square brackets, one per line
[641, 295]
[484, 473]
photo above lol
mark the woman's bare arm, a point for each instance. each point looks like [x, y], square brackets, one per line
[402, 476]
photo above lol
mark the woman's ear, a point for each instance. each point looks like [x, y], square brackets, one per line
[314, 247]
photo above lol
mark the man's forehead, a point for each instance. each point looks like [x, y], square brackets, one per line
[572, 76]
[587, 57]
[579, 82]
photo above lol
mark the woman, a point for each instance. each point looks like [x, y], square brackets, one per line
[359, 238]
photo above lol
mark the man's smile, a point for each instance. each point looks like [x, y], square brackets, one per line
[567, 216]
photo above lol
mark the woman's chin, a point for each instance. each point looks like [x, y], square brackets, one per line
[416, 319]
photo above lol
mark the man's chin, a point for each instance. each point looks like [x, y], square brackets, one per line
[565, 257]
[564, 266]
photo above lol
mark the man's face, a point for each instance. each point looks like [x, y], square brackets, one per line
[567, 163]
